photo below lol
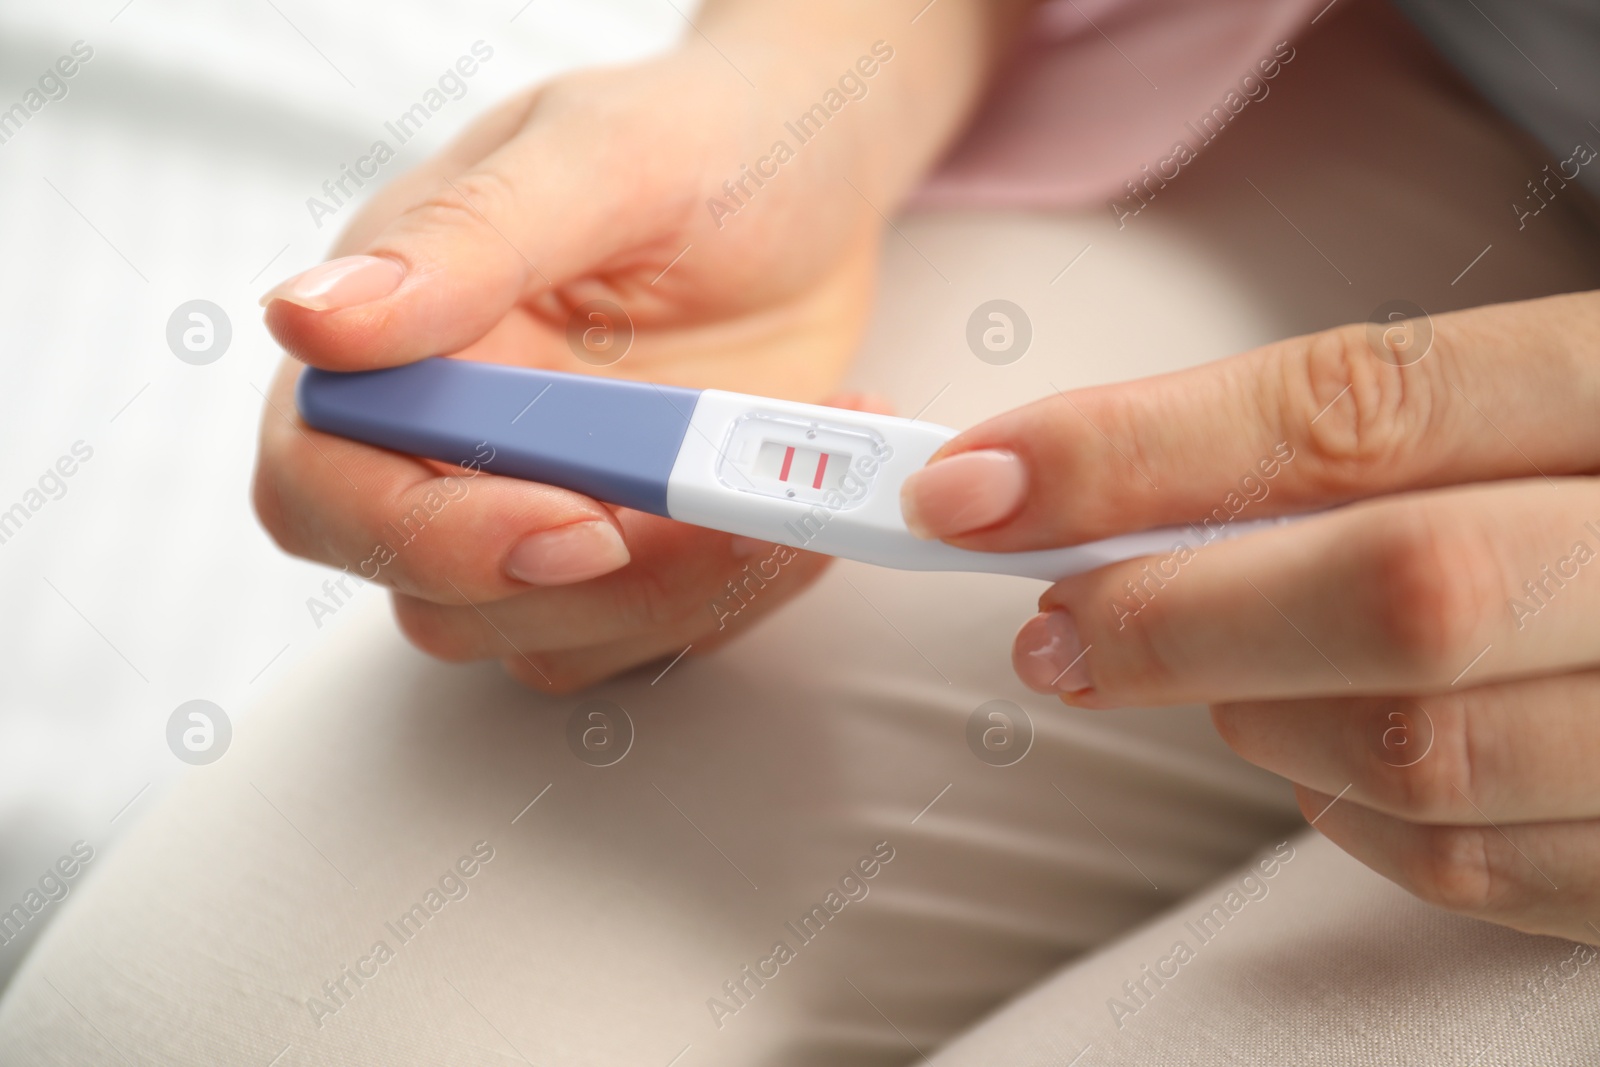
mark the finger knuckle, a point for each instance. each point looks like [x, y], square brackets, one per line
[285, 503]
[1232, 722]
[469, 200]
[1430, 589]
[1355, 410]
[1134, 650]
[1455, 868]
[266, 498]
[1101, 444]
[1426, 763]
[654, 598]
[434, 629]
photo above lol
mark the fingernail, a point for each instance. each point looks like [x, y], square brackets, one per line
[567, 554]
[339, 283]
[1048, 654]
[964, 492]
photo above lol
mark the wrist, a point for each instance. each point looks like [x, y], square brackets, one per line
[794, 55]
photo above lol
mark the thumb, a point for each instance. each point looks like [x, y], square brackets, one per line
[448, 268]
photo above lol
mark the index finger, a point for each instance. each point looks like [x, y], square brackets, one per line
[449, 535]
[1497, 392]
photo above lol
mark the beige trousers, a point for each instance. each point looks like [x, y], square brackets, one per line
[826, 844]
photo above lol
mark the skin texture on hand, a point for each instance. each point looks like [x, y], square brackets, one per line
[595, 187]
[1422, 663]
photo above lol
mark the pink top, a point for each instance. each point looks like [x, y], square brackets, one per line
[1100, 88]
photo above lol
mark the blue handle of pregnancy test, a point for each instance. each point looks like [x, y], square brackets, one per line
[611, 439]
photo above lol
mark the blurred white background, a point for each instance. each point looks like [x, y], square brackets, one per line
[176, 168]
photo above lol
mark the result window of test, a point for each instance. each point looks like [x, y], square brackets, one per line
[798, 459]
[794, 465]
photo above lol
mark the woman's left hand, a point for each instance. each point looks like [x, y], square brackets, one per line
[1425, 665]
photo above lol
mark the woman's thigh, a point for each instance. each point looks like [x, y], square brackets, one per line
[1304, 956]
[847, 835]
[852, 825]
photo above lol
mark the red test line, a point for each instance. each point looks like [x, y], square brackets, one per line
[822, 465]
[788, 461]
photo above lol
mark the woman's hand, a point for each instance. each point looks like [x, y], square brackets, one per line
[1423, 664]
[600, 187]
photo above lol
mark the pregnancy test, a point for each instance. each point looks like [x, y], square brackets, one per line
[816, 478]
